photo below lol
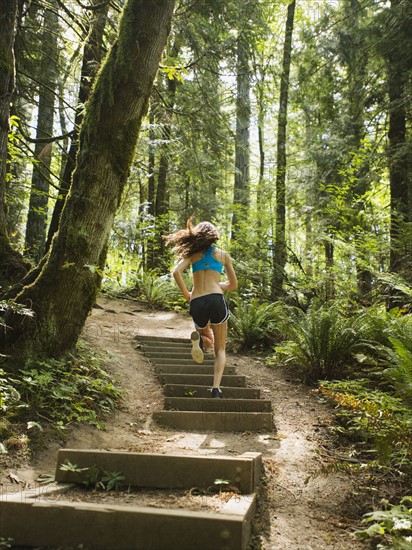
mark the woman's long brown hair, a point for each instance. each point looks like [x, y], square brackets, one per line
[192, 239]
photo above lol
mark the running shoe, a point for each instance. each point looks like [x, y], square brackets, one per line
[197, 352]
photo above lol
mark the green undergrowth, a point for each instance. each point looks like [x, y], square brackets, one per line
[50, 396]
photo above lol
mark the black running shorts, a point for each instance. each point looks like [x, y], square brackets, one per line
[209, 308]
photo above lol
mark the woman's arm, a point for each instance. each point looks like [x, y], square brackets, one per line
[231, 283]
[177, 274]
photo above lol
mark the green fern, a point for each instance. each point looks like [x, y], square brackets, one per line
[253, 324]
[401, 373]
[155, 291]
[323, 342]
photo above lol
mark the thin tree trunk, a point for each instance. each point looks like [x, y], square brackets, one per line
[241, 192]
[329, 275]
[92, 58]
[12, 266]
[65, 291]
[279, 257]
[157, 255]
[39, 195]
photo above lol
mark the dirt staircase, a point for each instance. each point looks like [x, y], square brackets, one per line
[186, 384]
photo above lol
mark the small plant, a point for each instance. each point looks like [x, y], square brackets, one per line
[70, 467]
[392, 524]
[102, 480]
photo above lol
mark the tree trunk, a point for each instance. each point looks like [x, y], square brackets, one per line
[156, 253]
[356, 62]
[92, 58]
[400, 257]
[241, 196]
[65, 291]
[12, 266]
[39, 195]
[279, 257]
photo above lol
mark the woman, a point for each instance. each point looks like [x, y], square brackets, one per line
[195, 246]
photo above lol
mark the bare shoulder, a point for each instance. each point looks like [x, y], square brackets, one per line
[221, 255]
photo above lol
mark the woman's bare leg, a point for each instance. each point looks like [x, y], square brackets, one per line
[220, 335]
[207, 337]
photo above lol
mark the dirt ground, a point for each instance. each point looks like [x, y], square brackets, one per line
[298, 508]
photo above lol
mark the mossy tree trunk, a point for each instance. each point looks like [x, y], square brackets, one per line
[12, 266]
[65, 291]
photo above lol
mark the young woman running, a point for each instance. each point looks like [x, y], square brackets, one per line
[195, 246]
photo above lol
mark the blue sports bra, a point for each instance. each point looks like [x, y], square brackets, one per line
[208, 262]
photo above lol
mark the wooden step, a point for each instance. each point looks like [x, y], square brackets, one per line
[217, 405]
[190, 369]
[46, 517]
[215, 421]
[190, 390]
[177, 361]
[235, 380]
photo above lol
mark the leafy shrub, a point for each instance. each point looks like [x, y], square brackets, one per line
[253, 324]
[157, 291]
[9, 396]
[77, 390]
[322, 342]
[393, 525]
[377, 420]
[401, 372]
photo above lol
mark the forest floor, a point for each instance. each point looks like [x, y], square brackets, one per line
[302, 505]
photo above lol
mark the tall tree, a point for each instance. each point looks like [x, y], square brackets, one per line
[241, 194]
[39, 197]
[279, 251]
[66, 288]
[92, 57]
[399, 62]
[12, 266]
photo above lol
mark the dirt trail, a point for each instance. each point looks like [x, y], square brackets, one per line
[297, 509]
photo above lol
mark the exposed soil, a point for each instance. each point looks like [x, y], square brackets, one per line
[298, 508]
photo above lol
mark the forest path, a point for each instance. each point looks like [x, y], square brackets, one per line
[297, 509]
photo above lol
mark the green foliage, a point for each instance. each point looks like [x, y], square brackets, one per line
[158, 292]
[392, 525]
[63, 392]
[252, 323]
[376, 420]
[9, 396]
[102, 480]
[401, 373]
[95, 477]
[322, 342]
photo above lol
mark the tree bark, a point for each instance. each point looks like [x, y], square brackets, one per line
[12, 266]
[241, 196]
[65, 291]
[279, 256]
[400, 254]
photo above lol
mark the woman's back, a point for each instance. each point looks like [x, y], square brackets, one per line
[207, 266]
